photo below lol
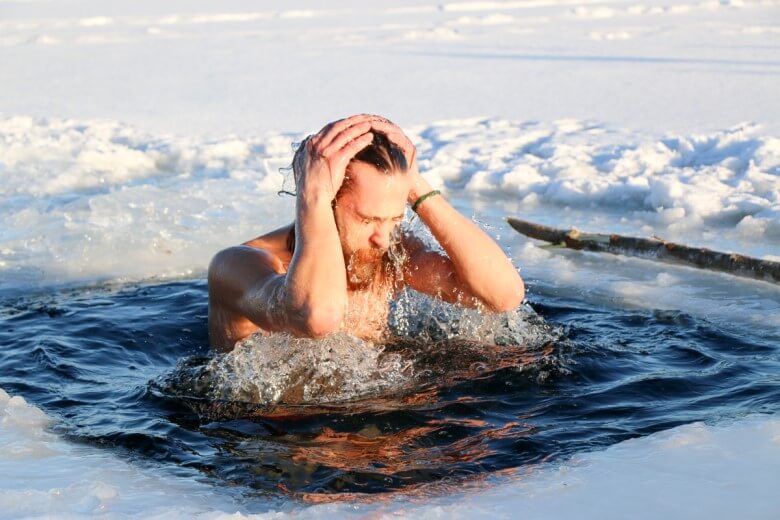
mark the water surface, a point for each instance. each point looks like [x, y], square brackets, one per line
[586, 376]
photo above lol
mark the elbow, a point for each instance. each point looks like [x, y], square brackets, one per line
[315, 316]
[510, 297]
[321, 322]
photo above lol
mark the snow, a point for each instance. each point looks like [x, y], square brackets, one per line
[172, 66]
[139, 137]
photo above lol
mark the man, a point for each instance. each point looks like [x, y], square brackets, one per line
[340, 262]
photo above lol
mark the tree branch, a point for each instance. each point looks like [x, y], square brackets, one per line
[653, 249]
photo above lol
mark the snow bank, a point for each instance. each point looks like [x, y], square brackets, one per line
[90, 200]
[694, 471]
[83, 200]
[677, 183]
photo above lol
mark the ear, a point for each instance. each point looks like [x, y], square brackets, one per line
[346, 185]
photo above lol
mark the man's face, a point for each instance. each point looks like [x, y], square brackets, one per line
[366, 215]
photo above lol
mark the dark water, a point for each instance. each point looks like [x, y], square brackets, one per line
[93, 359]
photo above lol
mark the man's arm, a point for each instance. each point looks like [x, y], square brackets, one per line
[310, 298]
[475, 269]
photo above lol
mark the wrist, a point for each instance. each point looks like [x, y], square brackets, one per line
[423, 198]
[311, 199]
[419, 188]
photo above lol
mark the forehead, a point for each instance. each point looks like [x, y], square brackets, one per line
[374, 193]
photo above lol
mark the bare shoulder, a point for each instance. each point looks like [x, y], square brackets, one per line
[275, 242]
[240, 280]
[243, 258]
[423, 262]
[236, 269]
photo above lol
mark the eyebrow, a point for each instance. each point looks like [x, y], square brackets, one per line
[370, 217]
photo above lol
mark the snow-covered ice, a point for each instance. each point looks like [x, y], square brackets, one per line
[243, 67]
[42, 476]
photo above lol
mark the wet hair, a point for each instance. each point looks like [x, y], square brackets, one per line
[381, 153]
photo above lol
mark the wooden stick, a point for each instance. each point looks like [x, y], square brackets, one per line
[653, 249]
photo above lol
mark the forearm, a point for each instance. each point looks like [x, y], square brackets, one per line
[477, 259]
[315, 285]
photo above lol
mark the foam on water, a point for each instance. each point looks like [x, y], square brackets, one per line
[280, 369]
[429, 344]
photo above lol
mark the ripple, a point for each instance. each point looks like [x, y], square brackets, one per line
[448, 403]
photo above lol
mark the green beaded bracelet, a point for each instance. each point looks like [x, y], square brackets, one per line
[422, 199]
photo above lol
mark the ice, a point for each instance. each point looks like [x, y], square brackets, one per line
[693, 471]
[18, 414]
[41, 475]
[248, 69]
[92, 200]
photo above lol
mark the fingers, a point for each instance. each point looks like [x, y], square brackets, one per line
[346, 136]
[395, 134]
[385, 126]
[325, 136]
[354, 146]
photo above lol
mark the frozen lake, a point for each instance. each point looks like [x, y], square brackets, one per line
[138, 138]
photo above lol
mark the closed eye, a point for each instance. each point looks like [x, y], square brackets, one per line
[365, 219]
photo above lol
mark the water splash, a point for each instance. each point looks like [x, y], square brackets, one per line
[429, 345]
[281, 369]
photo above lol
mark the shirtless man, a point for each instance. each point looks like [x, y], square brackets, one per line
[330, 270]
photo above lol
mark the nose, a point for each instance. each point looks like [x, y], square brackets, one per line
[380, 238]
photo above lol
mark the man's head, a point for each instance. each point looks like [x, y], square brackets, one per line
[370, 205]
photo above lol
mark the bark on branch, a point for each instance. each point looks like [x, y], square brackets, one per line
[653, 249]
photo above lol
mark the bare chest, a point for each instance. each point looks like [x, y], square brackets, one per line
[366, 313]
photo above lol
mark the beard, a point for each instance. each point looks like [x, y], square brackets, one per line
[363, 266]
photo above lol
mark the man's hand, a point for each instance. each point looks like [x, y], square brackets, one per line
[419, 186]
[320, 166]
